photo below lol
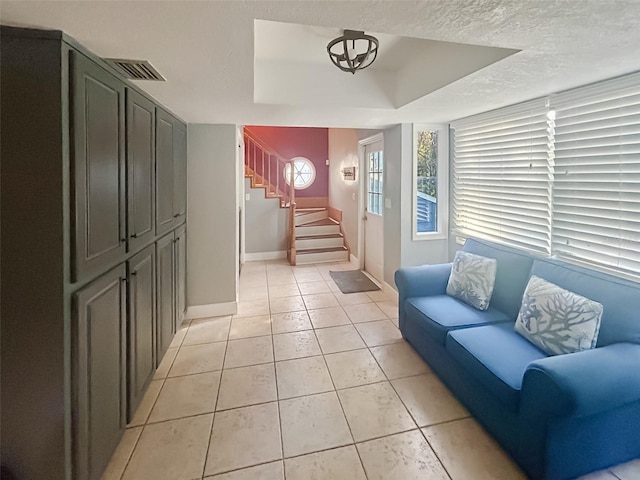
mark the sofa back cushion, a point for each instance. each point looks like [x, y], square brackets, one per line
[620, 298]
[512, 275]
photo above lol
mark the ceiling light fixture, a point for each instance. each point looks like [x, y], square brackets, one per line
[353, 51]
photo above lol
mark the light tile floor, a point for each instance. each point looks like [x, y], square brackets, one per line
[305, 383]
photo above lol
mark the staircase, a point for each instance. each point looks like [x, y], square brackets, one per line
[318, 237]
[312, 235]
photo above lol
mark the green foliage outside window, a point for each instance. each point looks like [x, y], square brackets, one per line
[427, 162]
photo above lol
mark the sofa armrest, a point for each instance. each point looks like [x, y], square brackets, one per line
[583, 383]
[423, 281]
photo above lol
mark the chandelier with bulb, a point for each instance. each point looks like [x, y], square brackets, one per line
[353, 51]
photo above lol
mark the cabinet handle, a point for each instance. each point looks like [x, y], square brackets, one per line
[123, 240]
[134, 235]
[134, 273]
[176, 215]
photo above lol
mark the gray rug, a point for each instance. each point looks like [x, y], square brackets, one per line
[353, 281]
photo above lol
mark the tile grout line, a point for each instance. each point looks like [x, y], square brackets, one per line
[405, 406]
[181, 344]
[342, 409]
[313, 329]
[213, 418]
[145, 423]
[275, 376]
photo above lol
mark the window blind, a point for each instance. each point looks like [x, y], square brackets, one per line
[502, 176]
[596, 193]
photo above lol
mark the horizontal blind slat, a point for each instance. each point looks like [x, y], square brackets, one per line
[596, 192]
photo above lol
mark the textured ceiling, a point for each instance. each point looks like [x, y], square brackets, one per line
[291, 67]
[205, 49]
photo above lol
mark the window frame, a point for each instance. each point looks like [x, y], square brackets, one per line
[304, 160]
[442, 205]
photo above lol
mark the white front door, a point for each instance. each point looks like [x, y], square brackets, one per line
[374, 206]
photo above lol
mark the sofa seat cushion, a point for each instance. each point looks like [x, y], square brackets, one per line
[496, 356]
[438, 314]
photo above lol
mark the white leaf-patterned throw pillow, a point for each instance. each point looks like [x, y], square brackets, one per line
[472, 279]
[556, 320]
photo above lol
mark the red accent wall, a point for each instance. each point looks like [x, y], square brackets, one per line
[311, 143]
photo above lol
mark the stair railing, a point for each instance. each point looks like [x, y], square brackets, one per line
[270, 170]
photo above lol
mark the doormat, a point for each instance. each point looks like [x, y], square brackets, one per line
[353, 281]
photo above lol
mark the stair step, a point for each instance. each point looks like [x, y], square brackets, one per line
[308, 216]
[324, 221]
[323, 229]
[319, 255]
[307, 251]
[302, 211]
[332, 240]
[318, 236]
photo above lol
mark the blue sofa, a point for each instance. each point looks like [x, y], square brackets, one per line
[557, 416]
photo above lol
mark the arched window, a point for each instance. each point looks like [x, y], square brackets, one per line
[304, 173]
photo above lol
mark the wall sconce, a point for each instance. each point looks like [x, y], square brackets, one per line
[349, 173]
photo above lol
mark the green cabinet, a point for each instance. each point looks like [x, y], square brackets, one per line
[93, 188]
[99, 372]
[141, 326]
[165, 288]
[180, 255]
[98, 216]
[140, 120]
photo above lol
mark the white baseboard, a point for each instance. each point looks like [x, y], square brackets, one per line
[354, 260]
[211, 310]
[254, 257]
[389, 290]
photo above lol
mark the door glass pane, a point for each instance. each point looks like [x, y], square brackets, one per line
[375, 183]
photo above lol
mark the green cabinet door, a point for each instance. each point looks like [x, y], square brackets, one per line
[141, 361]
[180, 173]
[180, 273]
[164, 171]
[98, 360]
[140, 170]
[98, 169]
[165, 291]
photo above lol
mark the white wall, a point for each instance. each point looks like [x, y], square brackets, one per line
[212, 240]
[265, 223]
[392, 193]
[343, 194]
[400, 250]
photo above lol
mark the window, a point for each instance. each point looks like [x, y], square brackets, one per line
[559, 176]
[374, 204]
[501, 177]
[430, 168]
[304, 173]
[596, 194]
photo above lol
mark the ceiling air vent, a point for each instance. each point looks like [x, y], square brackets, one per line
[136, 69]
